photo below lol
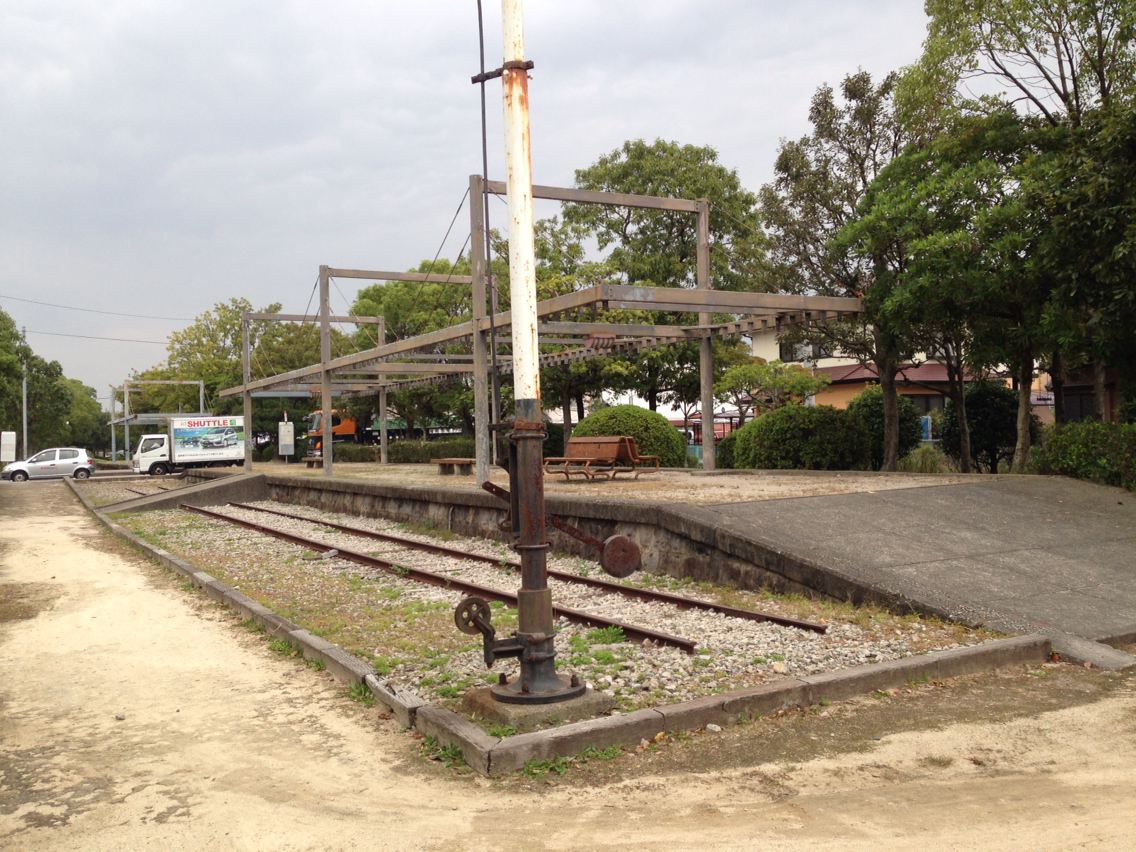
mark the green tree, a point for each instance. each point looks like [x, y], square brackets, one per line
[967, 237]
[659, 247]
[87, 423]
[1062, 61]
[1088, 191]
[993, 411]
[819, 182]
[766, 386]
[868, 405]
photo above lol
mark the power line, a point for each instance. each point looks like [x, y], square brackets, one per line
[92, 337]
[90, 311]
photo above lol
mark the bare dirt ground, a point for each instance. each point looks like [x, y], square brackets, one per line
[683, 485]
[222, 745]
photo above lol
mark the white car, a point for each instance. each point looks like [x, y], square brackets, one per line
[61, 461]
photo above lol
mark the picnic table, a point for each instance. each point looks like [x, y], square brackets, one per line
[600, 456]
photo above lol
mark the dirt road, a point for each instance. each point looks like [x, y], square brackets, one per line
[135, 714]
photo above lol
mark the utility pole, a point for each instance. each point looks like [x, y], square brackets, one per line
[538, 680]
[24, 391]
[113, 429]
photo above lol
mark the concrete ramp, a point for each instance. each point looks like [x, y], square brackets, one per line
[1022, 553]
[241, 488]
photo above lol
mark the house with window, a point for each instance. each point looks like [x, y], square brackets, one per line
[923, 382]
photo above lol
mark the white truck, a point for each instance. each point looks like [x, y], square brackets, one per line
[192, 442]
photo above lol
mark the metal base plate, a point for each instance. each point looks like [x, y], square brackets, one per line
[510, 693]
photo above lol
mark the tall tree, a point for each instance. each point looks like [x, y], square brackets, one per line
[819, 181]
[968, 283]
[659, 248]
[1060, 60]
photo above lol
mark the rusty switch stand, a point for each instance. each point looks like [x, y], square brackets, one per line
[534, 643]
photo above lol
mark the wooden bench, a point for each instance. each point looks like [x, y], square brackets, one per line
[448, 467]
[313, 461]
[600, 456]
[629, 455]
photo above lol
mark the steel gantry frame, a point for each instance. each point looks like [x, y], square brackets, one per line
[403, 363]
[533, 643]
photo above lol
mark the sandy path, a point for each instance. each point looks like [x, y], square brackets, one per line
[224, 746]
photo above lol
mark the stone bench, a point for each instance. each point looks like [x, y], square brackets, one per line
[448, 467]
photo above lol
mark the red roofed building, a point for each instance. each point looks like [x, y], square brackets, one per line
[924, 384]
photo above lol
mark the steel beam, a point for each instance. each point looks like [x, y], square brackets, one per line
[366, 274]
[313, 318]
[610, 199]
[246, 406]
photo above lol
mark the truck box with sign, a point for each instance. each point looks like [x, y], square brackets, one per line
[192, 442]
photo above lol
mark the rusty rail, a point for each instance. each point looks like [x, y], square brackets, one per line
[649, 595]
[630, 631]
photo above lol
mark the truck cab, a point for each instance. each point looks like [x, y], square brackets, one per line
[153, 455]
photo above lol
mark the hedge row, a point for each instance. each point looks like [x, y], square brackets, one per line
[420, 452]
[1098, 452]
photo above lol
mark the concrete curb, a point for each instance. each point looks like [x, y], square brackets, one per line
[512, 753]
[492, 756]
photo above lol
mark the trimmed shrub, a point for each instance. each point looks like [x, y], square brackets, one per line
[1099, 452]
[868, 405]
[554, 442]
[797, 437]
[653, 434]
[268, 452]
[354, 453]
[420, 452]
[992, 414]
[724, 451]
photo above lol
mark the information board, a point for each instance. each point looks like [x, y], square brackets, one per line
[286, 445]
[7, 446]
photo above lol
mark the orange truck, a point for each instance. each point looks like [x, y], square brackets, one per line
[344, 428]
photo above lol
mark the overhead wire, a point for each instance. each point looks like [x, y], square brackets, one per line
[93, 337]
[91, 310]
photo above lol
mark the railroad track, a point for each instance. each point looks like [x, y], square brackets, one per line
[632, 632]
[650, 595]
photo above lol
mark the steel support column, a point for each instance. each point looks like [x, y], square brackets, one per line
[126, 421]
[246, 371]
[480, 367]
[705, 352]
[325, 373]
[382, 335]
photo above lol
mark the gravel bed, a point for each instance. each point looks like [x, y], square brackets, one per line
[407, 631]
[103, 493]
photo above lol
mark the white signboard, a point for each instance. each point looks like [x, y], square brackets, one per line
[286, 446]
[7, 446]
[207, 438]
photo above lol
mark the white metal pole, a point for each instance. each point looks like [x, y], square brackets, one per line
[518, 180]
[325, 374]
[24, 402]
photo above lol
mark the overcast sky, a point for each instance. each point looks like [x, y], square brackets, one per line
[159, 157]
